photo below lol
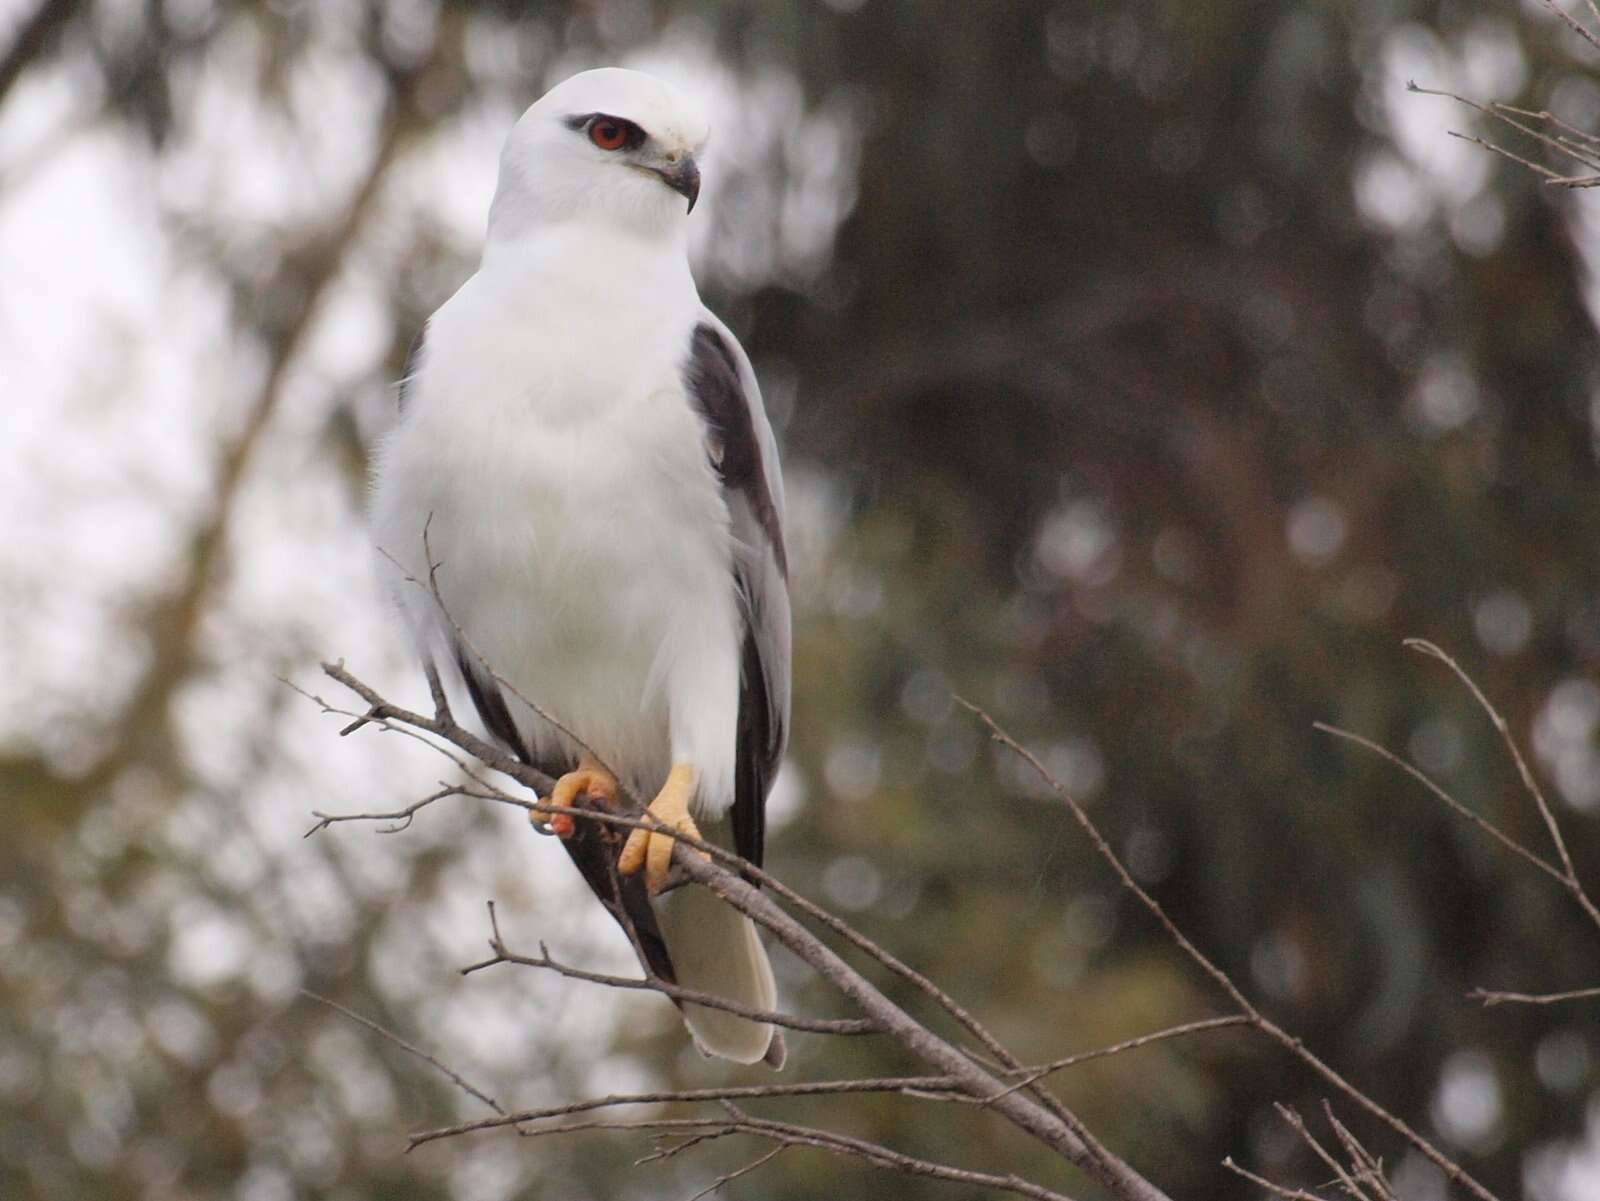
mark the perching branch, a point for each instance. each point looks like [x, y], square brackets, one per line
[989, 1076]
[721, 872]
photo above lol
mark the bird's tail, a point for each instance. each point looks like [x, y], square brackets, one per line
[715, 949]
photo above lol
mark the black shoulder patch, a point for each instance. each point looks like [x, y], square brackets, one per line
[712, 377]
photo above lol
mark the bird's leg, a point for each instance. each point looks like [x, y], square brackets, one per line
[588, 777]
[652, 849]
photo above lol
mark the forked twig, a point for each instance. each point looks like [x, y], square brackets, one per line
[1257, 1019]
[1568, 874]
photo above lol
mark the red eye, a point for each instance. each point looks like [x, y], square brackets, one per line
[608, 135]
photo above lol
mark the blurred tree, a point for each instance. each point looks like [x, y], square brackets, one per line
[1170, 366]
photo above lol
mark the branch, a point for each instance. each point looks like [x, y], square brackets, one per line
[787, 1134]
[1422, 777]
[664, 987]
[1362, 1179]
[726, 1177]
[1223, 981]
[400, 819]
[936, 1088]
[1566, 140]
[1044, 1118]
[1574, 24]
[1490, 997]
[1070, 1139]
[1568, 874]
[454, 1076]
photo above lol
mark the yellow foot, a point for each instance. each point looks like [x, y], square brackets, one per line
[652, 849]
[588, 777]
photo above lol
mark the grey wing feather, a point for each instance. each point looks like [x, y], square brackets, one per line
[745, 455]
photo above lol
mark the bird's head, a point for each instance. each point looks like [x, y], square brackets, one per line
[609, 145]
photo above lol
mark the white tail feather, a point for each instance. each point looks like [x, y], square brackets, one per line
[715, 949]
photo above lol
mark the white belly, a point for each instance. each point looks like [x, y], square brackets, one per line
[583, 549]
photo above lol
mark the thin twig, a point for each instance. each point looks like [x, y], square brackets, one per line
[790, 1134]
[1129, 1044]
[431, 586]
[1572, 143]
[1340, 1172]
[1277, 1190]
[1422, 777]
[688, 996]
[727, 1177]
[938, 1088]
[1491, 997]
[1573, 24]
[1223, 981]
[399, 819]
[409, 1048]
[1568, 874]
[1368, 1168]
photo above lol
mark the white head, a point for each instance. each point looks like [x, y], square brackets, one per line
[613, 146]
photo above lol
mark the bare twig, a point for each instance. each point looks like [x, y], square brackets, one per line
[399, 819]
[689, 996]
[1368, 1168]
[1567, 141]
[431, 587]
[1568, 874]
[1421, 777]
[1277, 1190]
[1361, 1179]
[1129, 1044]
[759, 1162]
[788, 1134]
[938, 1088]
[1574, 24]
[1257, 1019]
[1491, 997]
[1353, 1185]
[392, 716]
[409, 1048]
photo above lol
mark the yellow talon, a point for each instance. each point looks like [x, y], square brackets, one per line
[589, 777]
[652, 849]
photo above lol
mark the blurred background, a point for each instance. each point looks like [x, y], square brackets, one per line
[1144, 371]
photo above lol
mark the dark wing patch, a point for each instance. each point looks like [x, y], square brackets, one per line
[734, 453]
[755, 762]
[490, 703]
[713, 379]
[594, 846]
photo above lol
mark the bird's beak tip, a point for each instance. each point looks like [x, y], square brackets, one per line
[683, 177]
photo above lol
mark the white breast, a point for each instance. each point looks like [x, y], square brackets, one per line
[582, 536]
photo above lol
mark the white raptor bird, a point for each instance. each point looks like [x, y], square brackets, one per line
[586, 445]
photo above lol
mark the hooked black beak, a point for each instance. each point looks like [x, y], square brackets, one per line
[683, 177]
